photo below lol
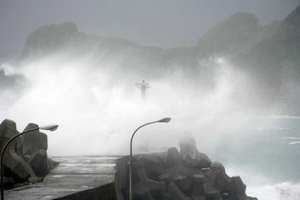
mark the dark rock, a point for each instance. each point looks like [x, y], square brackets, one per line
[144, 187]
[184, 183]
[153, 164]
[176, 172]
[143, 184]
[17, 166]
[35, 145]
[176, 193]
[210, 191]
[173, 157]
[190, 154]
[210, 176]
[189, 175]
[197, 186]
[203, 160]
[8, 129]
[25, 158]
[222, 180]
[34, 141]
[178, 182]
[39, 163]
[238, 188]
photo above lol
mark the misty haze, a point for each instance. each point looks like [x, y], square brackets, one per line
[228, 74]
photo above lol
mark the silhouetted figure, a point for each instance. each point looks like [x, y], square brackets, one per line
[143, 86]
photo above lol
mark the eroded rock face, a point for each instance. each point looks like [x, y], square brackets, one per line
[188, 175]
[26, 158]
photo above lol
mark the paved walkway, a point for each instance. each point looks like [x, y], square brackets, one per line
[74, 174]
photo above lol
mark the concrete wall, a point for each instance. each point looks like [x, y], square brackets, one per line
[105, 192]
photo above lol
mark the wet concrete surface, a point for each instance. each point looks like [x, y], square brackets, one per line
[74, 174]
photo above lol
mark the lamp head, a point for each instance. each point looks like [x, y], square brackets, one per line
[49, 128]
[165, 120]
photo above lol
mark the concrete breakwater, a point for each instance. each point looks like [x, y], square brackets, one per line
[105, 192]
[74, 176]
[93, 178]
[186, 174]
[177, 175]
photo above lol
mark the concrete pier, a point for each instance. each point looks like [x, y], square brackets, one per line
[74, 174]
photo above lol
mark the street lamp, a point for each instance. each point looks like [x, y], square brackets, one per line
[47, 128]
[164, 120]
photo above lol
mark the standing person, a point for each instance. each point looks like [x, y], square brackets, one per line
[143, 86]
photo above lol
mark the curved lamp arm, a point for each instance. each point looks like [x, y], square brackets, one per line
[136, 130]
[164, 120]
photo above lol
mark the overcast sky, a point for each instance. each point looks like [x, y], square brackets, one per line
[165, 23]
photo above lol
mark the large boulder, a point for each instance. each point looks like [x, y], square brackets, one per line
[8, 129]
[190, 154]
[15, 165]
[39, 163]
[173, 157]
[35, 145]
[222, 180]
[34, 141]
[26, 157]
[188, 175]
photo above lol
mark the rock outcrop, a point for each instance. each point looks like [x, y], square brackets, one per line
[26, 158]
[184, 175]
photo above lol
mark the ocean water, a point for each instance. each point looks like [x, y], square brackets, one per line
[266, 188]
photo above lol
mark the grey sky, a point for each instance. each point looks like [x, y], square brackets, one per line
[165, 23]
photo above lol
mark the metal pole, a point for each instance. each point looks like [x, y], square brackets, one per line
[164, 120]
[2, 157]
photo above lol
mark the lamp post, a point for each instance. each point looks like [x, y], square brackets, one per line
[164, 120]
[47, 128]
